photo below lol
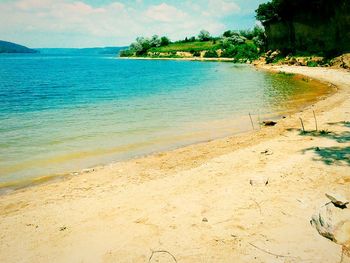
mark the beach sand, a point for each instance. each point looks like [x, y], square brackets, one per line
[196, 203]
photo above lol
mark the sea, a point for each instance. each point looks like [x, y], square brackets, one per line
[61, 113]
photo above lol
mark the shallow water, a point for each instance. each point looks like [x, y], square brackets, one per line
[60, 114]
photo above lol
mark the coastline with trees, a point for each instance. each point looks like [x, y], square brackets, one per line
[240, 46]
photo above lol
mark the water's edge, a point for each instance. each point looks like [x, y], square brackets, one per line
[9, 187]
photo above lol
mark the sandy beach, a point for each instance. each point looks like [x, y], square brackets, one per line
[196, 203]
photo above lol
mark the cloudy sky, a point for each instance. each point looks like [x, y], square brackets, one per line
[89, 23]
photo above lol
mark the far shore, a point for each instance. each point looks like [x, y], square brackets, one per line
[196, 203]
[184, 58]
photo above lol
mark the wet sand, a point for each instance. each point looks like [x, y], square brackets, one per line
[196, 202]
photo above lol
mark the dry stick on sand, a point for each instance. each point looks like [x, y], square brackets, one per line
[268, 252]
[161, 251]
[302, 124]
[251, 120]
[259, 120]
[315, 120]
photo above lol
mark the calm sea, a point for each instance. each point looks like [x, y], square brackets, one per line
[62, 113]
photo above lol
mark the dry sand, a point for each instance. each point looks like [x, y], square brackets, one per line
[195, 203]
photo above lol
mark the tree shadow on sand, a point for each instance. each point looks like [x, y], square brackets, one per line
[331, 155]
[341, 137]
[341, 123]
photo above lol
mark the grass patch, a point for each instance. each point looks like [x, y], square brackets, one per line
[187, 47]
[312, 64]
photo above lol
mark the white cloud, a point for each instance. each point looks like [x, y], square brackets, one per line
[222, 7]
[165, 13]
[67, 23]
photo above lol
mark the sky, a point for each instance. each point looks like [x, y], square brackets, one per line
[99, 23]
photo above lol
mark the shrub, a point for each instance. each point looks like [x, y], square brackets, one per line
[312, 64]
[126, 53]
[195, 53]
[211, 54]
[241, 52]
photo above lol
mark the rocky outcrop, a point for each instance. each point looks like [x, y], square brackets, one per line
[311, 27]
[342, 61]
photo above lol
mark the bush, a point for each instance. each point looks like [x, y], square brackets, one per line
[312, 64]
[195, 53]
[126, 53]
[243, 51]
[248, 34]
[211, 54]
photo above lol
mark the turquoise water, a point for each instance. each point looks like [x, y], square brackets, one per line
[60, 114]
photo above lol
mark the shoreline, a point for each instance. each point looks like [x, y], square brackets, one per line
[13, 186]
[181, 59]
[210, 180]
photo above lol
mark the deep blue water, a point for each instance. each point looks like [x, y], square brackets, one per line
[62, 113]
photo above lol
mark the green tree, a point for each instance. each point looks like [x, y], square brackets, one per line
[155, 41]
[164, 41]
[204, 35]
[227, 33]
[266, 11]
[211, 54]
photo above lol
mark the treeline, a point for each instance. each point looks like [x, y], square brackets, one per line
[243, 44]
[143, 45]
[287, 10]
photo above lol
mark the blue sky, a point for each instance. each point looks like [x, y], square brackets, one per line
[90, 23]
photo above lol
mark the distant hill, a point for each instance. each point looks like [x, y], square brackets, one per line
[82, 51]
[8, 47]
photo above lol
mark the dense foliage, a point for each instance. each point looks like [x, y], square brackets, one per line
[143, 45]
[187, 46]
[245, 44]
[286, 9]
[307, 27]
